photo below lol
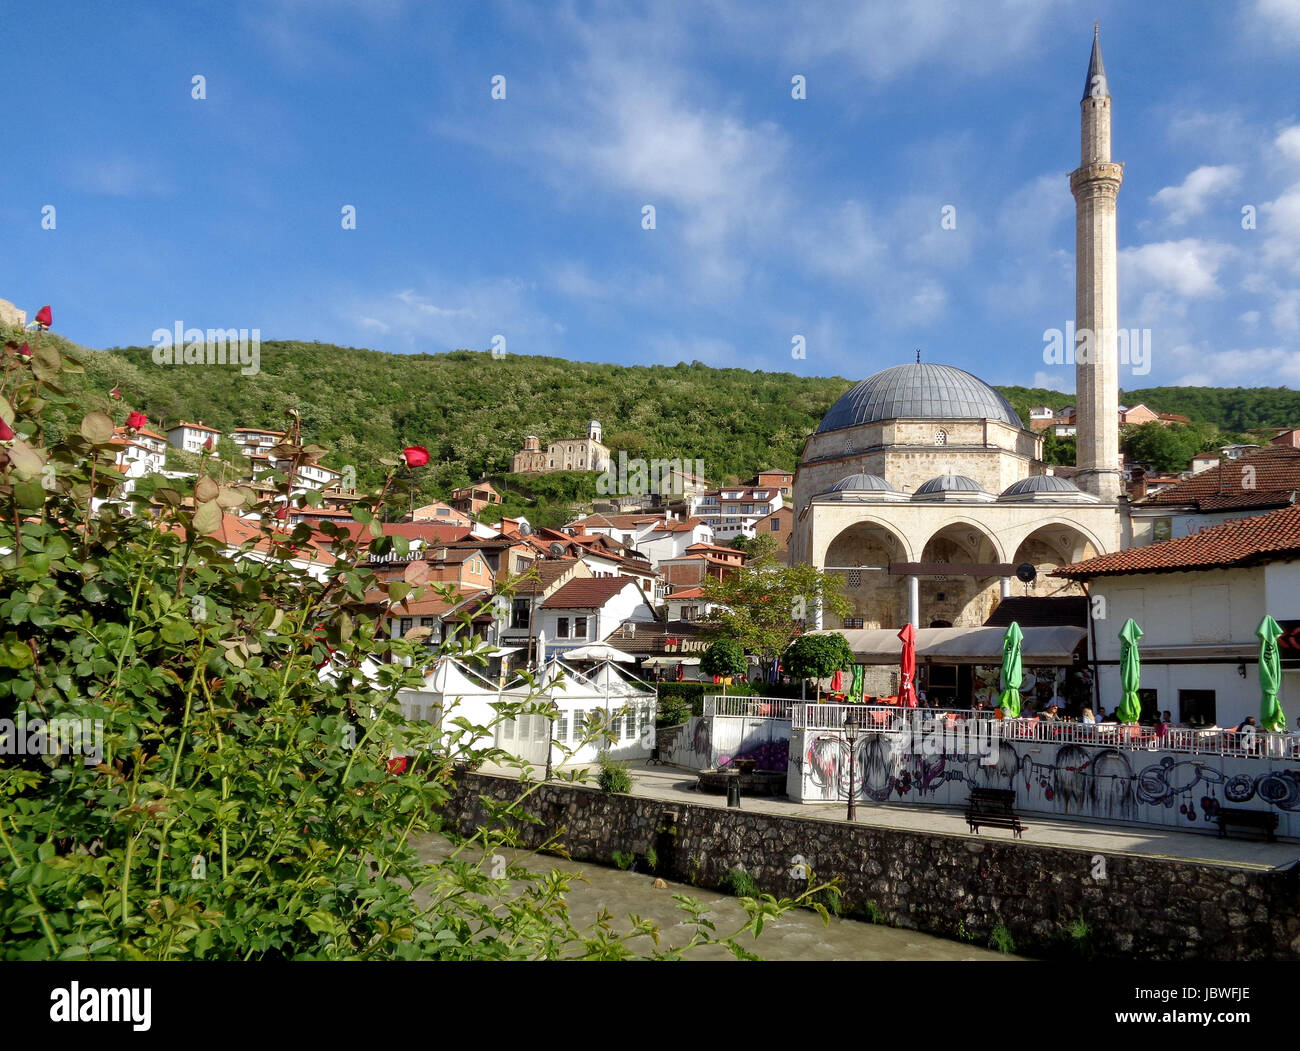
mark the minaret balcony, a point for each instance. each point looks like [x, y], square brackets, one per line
[1103, 175]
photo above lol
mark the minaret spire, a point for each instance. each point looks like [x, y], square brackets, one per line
[1095, 185]
[1095, 85]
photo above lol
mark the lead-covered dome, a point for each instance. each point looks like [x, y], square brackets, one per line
[1040, 483]
[859, 483]
[949, 483]
[919, 391]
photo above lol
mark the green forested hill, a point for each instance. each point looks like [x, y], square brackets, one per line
[472, 411]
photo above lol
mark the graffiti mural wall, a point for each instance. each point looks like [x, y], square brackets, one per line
[1152, 787]
[718, 740]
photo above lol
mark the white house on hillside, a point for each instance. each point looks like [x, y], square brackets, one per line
[589, 610]
[192, 436]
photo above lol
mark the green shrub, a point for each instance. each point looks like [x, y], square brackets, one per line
[872, 913]
[238, 797]
[613, 776]
[1001, 939]
[623, 859]
[1080, 937]
[652, 859]
[740, 883]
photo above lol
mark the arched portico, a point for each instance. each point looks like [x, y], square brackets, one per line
[1048, 547]
[960, 599]
[860, 555]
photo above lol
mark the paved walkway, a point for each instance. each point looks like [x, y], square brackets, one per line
[676, 784]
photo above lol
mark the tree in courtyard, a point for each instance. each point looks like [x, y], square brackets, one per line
[725, 659]
[764, 605]
[817, 656]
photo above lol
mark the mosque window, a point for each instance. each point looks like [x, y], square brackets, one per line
[940, 437]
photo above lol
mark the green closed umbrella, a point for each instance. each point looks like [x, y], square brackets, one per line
[1012, 675]
[1130, 672]
[855, 690]
[1271, 716]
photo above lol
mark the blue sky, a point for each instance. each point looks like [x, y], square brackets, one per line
[774, 217]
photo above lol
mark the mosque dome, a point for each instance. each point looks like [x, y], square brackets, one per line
[919, 391]
[1040, 483]
[858, 483]
[949, 483]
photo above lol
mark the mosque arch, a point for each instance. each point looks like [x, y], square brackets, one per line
[866, 538]
[965, 534]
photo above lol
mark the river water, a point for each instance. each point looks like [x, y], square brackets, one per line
[798, 935]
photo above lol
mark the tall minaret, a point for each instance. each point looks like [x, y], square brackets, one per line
[1095, 186]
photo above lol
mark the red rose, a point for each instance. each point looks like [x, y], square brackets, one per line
[137, 421]
[416, 455]
[115, 393]
[44, 318]
[6, 432]
[25, 351]
[282, 512]
[208, 444]
[397, 765]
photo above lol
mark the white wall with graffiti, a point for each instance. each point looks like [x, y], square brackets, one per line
[708, 742]
[1174, 789]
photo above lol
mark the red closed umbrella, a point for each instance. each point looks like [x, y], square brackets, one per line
[837, 681]
[907, 666]
[681, 672]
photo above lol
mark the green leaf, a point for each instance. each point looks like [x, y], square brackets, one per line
[97, 427]
[207, 519]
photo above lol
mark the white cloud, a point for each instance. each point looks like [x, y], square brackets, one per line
[1190, 198]
[1049, 380]
[1258, 367]
[448, 316]
[1187, 268]
[121, 176]
[884, 41]
[1281, 20]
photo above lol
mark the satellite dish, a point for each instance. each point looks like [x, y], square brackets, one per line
[557, 549]
[525, 529]
[1026, 572]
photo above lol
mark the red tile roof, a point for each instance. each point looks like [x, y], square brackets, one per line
[1249, 541]
[688, 593]
[429, 532]
[1275, 476]
[591, 593]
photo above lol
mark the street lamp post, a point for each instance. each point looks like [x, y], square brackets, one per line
[851, 735]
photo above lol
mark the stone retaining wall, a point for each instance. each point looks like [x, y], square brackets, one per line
[946, 885]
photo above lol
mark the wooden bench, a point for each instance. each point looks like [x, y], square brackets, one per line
[993, 807]
[1264, 820]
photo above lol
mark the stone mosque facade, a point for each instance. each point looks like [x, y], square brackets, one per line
[924, 489]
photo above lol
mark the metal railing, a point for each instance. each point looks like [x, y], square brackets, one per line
[809, 716]
[1128, 737]
[748, 707]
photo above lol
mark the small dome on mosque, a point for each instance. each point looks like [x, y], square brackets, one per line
[1048, 484]
[950, 483]
[862, 483]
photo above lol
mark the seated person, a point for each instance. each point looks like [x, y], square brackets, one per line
[1247, 725]
[1088, 717]
[1053, 712]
